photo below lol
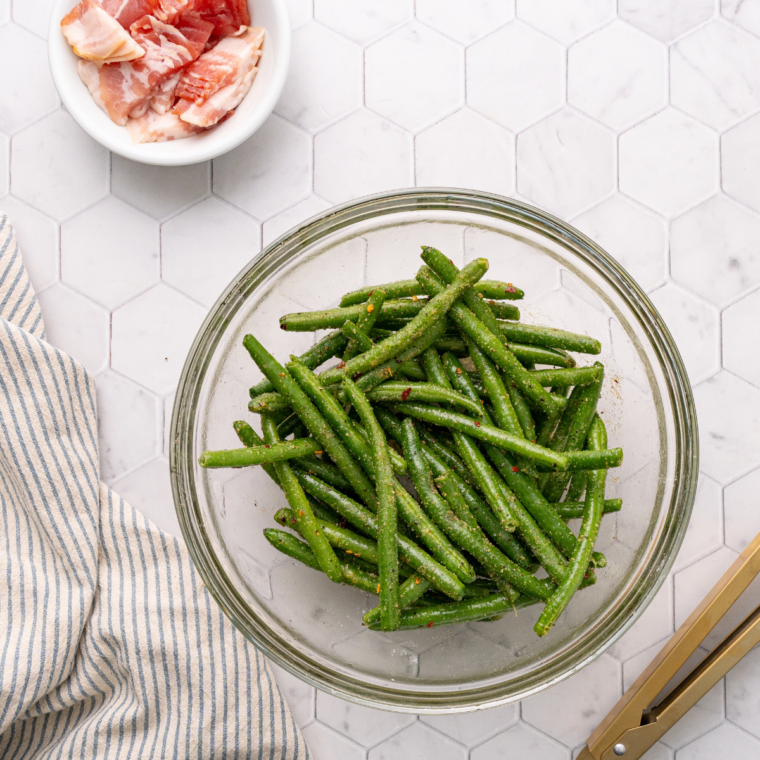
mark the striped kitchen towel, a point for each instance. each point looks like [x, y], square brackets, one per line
[110, 645]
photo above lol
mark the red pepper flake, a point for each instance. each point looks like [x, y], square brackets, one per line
[282, 374]
[283, 326]
[293, 521]
[510, 288]
[477, 424]
[378, 588]
[450, 261]
[341, 365]
[301, 513]
[370, 308]
[416, 581]
[405, 394]
[369, 295]
[515, 469]
[459, 370]
[430, 624]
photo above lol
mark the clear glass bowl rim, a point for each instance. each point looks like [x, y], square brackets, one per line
[182, 459]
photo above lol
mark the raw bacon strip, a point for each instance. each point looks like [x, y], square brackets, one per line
[153, 127]
[219, 79]
[123, 88]
[163, 96]
[228, 16]
[126, 12]
[96, 36]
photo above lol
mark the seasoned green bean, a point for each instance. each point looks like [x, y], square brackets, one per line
[308, 321]
[446, 271]
[566, 377]
[494, 289]
[577, 486]
[408, 593]
[592, 518]
[311, 417]
[331, 345]
[250, 438]
[269, 403]
[356, 335]
[549, 337]
[324, 471]
[522, 410]
[579, 423]
[490, 344]
[361, 518]
[366, 321]
[443, 452]
[420, 326]
[590, 460]
[569, 510]
[535, 503]
[493, 560]
[248, 457]
[387, 516]
[412, 370]
[290, 545]
[426, 392]
[307, 523]
[483, 431]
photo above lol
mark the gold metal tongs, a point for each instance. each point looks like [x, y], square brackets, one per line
[633, 725]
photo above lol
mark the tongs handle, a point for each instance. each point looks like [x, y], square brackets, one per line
[627, 730]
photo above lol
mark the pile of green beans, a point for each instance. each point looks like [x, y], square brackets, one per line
[434, 380]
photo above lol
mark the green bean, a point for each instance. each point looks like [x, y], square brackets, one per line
[433, 313]
[408, 593]
[443, 452]
[580, 422]
[503, 311]
[522, 410]
[446, 271]
[308, 321]
[412, 370]
[590, 460]
[311, 417]
[361, 518]
[290, 545]
[567, 377]
[546, 427]
[386, 370]
[366, 321]
[428, 392]
[324, 471]
[503, 412]
[580, 417]
[577, 486]
[592, 518]
[569, 510]
[289, 425]
[356, 335]
[387, 515]
[498, 566]
[269, 403]
[307, 523]
[331, 345]
[483, 431]
[250, 438]
[480, 511]
[549, 337]
[248, 457]
[469, 610]
[526, 355]
[408, 288]
[535, 503]
[340, 538]
[491, 345]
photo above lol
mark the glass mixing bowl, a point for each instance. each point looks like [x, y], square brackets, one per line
[313, 627]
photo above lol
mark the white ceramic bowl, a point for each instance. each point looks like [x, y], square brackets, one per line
[248, 117]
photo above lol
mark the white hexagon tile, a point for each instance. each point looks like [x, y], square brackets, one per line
[638, 121]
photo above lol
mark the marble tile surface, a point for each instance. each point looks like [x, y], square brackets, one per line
[638, 121]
